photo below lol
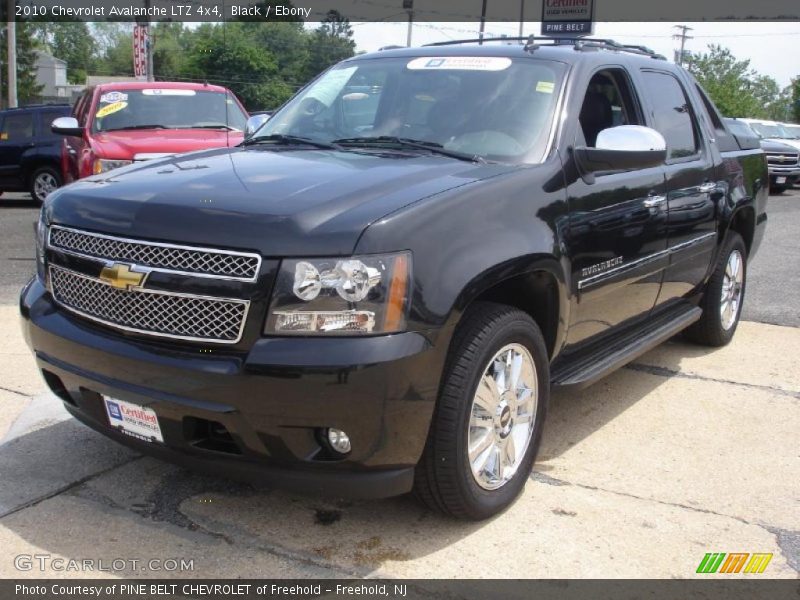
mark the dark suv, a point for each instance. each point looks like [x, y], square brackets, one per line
[376, 291]
[30, 154]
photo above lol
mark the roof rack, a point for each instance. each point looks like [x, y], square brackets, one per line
[579, 43]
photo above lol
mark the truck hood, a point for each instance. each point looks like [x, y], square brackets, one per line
[795, 144]
[279, 202]
[125, 145]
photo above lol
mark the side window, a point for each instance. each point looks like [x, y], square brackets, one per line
[17, 127]
[81, 106]
[672, 113]
[608, 103]
[724, 139]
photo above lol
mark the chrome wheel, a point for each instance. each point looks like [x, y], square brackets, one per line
[502, 417]
[732, 285]
[43, 185]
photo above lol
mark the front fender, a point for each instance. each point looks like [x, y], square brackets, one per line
[468, 239]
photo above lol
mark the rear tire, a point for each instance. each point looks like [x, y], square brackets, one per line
[494, 345]
[44, 181]
[724, 296]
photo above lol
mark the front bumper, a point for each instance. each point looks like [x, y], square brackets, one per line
[272, 403]
[792, 173]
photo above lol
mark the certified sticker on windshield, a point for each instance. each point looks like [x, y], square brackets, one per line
[460, 63]
[110, 109]
[167, 92]
[114, 97]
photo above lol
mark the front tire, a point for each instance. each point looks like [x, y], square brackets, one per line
[488, 420]
[724, 296]
[777, 189]
[44, 181]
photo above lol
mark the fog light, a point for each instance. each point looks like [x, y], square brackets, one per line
[339, 441]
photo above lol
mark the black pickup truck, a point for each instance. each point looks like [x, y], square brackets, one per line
[377, 290]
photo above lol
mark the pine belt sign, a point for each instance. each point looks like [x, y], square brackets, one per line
[567, 17]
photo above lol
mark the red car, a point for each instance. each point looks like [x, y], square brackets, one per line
[114, 124]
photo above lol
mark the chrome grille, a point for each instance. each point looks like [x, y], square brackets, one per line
[202, 262]
[167, 314]
[783, 159]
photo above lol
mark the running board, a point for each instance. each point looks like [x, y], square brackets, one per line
[589, 368]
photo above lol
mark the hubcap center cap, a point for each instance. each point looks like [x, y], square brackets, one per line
[504, 422]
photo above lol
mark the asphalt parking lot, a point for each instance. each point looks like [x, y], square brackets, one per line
[686, 451]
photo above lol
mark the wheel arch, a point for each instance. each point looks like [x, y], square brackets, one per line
[743, 222]
[41, 163]
[538, 288]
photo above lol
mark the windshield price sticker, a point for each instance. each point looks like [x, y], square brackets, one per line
[461, 63]
[114, 97]
[167, 92]
[545, 87]
[110, 109]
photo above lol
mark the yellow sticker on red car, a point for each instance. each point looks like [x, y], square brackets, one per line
[110, 109]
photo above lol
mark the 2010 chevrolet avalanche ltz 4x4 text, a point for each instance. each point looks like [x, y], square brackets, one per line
[376, 291]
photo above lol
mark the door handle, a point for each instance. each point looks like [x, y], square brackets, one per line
[653, 201]
[707, 187]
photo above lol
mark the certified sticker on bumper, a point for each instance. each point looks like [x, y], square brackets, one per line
[133, 420]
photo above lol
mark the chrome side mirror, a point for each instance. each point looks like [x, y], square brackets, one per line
[630, 138]
[66, 126]
[254, 123]
[622, 148]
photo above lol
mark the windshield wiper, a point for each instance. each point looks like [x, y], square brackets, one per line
[219, 126]
[129, 127]
[432, 147]
[280, 138]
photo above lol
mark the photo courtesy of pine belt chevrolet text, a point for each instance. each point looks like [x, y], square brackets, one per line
[376, 290]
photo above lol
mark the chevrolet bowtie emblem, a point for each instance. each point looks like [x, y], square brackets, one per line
[121, 276]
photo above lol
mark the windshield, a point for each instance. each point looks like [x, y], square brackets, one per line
[162, 108]
[793, 131]
[766, 130]
[491, 107]
[740, 128]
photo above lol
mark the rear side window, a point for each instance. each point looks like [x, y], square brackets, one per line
[724, 139]
[672, 114]
[17, 127]
[46, 118]
[81, 107]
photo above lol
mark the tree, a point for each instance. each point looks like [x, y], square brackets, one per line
[71, 41]
[28, 89]
[226, 55]
[795, 95]
[170, 46]
[729, 82]
[331, 42]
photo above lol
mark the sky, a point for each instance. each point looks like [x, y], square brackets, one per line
[772, 48]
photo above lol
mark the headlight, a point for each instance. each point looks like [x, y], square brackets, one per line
[341, 296]
[41, 243]
[102, 165]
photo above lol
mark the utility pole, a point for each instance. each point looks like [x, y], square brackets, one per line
[148, 44]
[521, 17]
[682, 36]
[483, 21]
[11, 37]
[408, 6]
